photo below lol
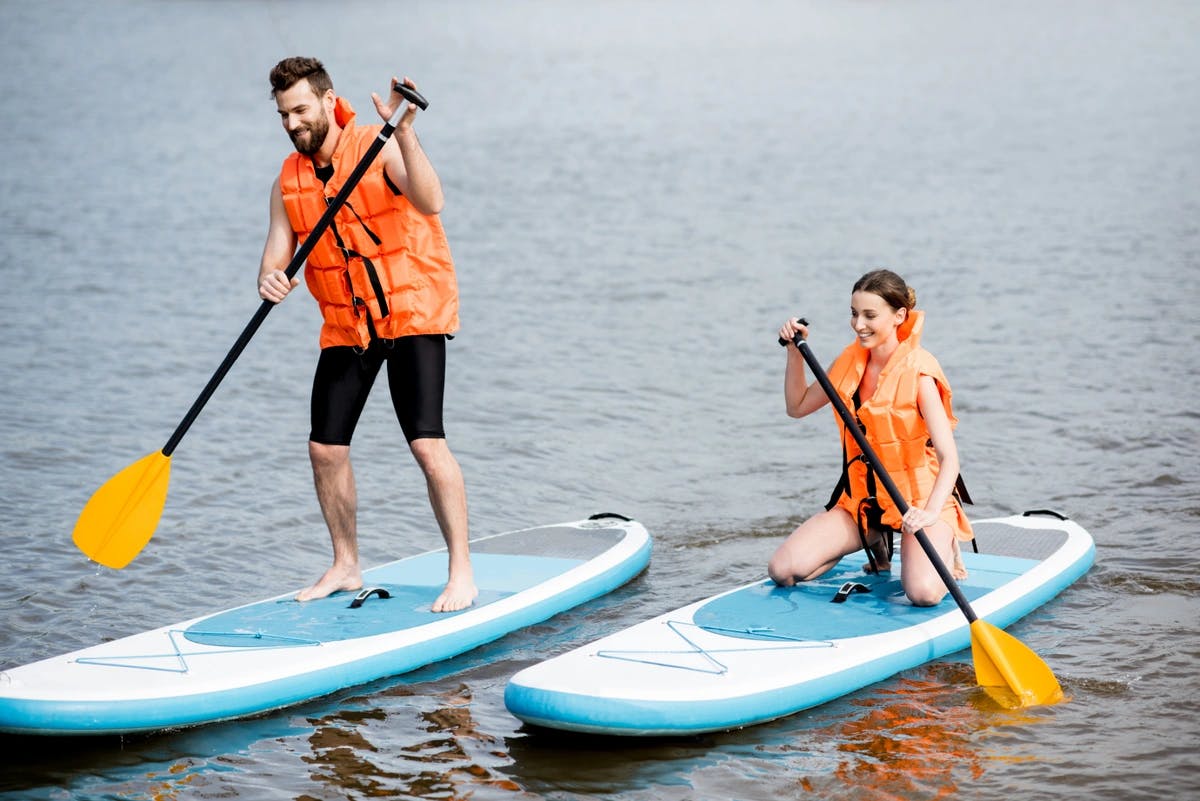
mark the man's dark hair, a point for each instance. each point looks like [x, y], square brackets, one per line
[290, 70]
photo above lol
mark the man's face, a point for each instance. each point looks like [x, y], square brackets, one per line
[304, 115]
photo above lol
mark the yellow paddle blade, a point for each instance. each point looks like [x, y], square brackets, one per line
[121, 516]
[1004, 663]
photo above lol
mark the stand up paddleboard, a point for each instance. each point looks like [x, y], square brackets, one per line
[761, 652]
[279, 652]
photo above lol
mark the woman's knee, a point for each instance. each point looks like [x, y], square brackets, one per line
[928, 591]
[922, 583]
[779, 569]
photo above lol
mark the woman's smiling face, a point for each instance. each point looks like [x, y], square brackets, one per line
[873, 320]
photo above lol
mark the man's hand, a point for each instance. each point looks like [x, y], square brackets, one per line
[395, 98]
[275, 286]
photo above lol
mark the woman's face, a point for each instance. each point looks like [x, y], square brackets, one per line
[873, 320]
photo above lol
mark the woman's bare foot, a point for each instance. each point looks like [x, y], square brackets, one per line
[335, 579]
[879, 552]
[958, 569]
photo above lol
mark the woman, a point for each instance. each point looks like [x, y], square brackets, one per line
[900, 396]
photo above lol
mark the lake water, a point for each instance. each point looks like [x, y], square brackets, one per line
[637, 194]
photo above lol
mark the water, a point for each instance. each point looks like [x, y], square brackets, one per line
[637, 194]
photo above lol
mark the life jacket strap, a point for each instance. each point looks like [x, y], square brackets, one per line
[372, 274]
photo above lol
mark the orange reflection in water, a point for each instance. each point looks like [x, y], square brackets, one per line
[916, 738]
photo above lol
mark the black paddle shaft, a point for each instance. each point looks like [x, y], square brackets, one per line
[410, 94]
[882, 474]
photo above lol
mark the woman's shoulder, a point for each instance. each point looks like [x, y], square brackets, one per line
[922, 362]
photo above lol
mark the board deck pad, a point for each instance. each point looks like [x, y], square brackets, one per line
[413, 586]
[805, 610]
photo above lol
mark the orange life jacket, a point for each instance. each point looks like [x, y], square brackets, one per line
[894, 428]
[381, 259]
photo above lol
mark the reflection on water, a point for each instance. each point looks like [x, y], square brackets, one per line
[925, 734]
[915, 741]
[140, 766]
[922, 735]
[378, 751]
[636, 194]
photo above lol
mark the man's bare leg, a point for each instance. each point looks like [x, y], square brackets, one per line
[334, 480]
[448, 497]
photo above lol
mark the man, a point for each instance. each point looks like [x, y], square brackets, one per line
[384, 280]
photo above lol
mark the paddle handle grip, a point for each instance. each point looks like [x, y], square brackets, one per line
[882, 475]
[411, 95]
[783, 342]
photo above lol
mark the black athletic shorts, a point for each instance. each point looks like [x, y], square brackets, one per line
[416, 376]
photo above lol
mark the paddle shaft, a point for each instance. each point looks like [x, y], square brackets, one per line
[410, 94]
[882, 474]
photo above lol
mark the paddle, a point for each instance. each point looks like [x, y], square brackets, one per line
[120, 517]
[1001, 660]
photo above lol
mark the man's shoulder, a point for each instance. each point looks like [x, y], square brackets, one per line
[358, 131]
[290, 159]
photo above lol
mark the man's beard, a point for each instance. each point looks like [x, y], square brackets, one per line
[316, 136]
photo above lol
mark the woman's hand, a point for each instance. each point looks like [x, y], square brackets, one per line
[916, 519]
[789, 329]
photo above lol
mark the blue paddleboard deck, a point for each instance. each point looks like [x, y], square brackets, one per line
[409, 589]
[805, 611]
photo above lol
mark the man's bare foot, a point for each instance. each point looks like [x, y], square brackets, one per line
[334, 580]
[458, 594]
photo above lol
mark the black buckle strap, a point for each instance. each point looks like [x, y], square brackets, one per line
[847, 589]
[367, 592]
[368, 265]
[843, 485]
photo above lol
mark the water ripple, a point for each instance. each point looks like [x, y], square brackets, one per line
[629, 233]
